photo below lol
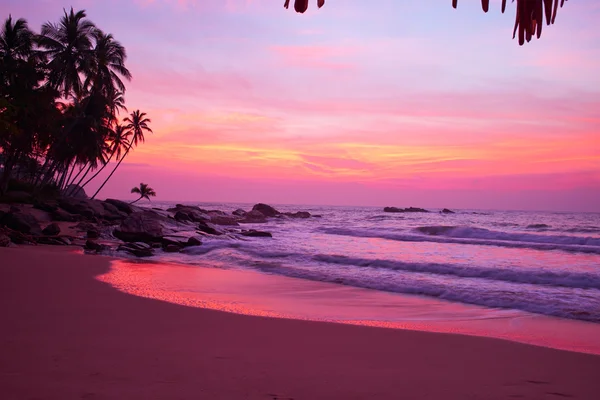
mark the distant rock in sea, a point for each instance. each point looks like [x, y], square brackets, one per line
[446, 211]
[405, 210]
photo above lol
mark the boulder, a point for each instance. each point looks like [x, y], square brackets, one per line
[112, 212]
[92, 245]
[224, 220]
[51, 230]
[239, 212]
[181, 216]
[254, 217]
[266, 210]
[53, 241]
[299, 214]
[255, 233]
[93, 234]
[4, 240]
[75, 191]
[16, 197]
[49, 208]
[195, 214]
[446, 211]
[61, 215]
[172, 248]
[21, 222]
[405, 210]
[145, 226]
[138, 249]
[176, 240]
[209, 228]
[121, 206]
[193, 241]
[86, 208]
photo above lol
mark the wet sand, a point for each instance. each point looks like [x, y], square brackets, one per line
[66, 335]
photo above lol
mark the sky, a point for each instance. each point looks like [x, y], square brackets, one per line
[377, 102]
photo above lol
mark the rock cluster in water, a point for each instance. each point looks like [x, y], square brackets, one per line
[112, 224]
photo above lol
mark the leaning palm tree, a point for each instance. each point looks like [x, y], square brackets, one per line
[137, 124]
[529, 19]
[119, 143]
[144, 191]
[68, 46]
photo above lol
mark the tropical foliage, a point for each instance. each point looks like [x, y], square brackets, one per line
[144, 191]
[61, 98]
[528, 22]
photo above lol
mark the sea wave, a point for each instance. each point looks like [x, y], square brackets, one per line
[535, 277]
[478, 236]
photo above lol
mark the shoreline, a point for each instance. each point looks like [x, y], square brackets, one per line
[257, 293]
[71, 336]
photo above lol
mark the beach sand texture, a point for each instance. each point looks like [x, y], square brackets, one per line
[66, 335]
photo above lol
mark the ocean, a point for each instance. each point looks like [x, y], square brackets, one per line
[537, 262]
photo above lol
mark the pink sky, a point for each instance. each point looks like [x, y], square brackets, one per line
[404, 104]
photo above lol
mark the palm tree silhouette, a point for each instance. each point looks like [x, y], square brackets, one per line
[528, 22]
[68, 45]
[144, 191]
[137, 124]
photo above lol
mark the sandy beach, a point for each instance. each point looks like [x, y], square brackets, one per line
[67, 335]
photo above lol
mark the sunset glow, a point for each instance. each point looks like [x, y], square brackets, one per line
[354, 104]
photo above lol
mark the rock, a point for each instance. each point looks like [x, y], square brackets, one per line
[112, 212]
[145, 226]
[4, 240]
[176, 240]
[254, 233]
[195, 214]
[16, 197]
[446, 211]
[239, 212]
[49, 208]
[317, 216]
[193, 241]
[404, 210]
[172, 248]
[209, 228]
[224, 220]
[86, 208]
[299, 214]
[52, 241]
[21, 222]
[266, 210]
[93, 234]
[254, 217]
[138, 249]
[122, 206]
[61, 215]
[51, 230]
[75, 191]
[182, 217]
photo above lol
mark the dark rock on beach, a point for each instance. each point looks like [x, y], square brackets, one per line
[255, 233]
[51, 230]
[239, 212]
[122, 206]
[266, 210]
[299, 214]
[22, 222]
[224, 220]
[193, 241]
[209, 228]
[138, 249]
[145, 226]
[253, 217]
[4, 240]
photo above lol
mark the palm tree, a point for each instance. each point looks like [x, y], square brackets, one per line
[144, 191]
[137, 124]
[68, 45]
[19, 78]
[118, 144]
[107, 63]
[529, 19]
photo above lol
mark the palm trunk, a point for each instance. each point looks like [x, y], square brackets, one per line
[113, 171]
[100, 170]
[82, 178]
[66, 183]
[137, 200]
